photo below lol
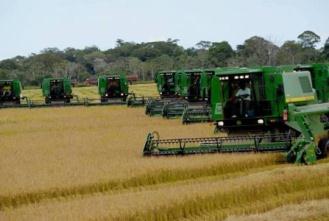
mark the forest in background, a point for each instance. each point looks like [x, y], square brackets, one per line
[145, 59]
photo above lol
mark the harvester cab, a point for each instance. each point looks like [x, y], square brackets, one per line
[57, 89]
[247, 97]
[113, 87]
[195, 87]
[166, 83]
[167, 87]
[10, 92]
[188, 84]
[194, 84]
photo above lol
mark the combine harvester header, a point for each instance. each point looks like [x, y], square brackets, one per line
[305, 139]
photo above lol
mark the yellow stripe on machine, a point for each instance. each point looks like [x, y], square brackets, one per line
[299, 99]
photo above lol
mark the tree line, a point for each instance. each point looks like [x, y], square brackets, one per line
[145, 59]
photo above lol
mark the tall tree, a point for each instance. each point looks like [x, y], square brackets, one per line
[257, 51]
[219, 53]
[205, 45]
[309, 39]
[325, 51]
[290, 53]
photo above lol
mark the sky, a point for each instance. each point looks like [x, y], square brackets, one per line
[28, 26]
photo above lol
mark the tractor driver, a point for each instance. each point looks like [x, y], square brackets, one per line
[54, 89]
[113, 88]
[195, 86]
[6, 90]
[243, 96]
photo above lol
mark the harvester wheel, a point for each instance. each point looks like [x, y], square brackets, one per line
[47, 100]
[324, 148]
[291, 157]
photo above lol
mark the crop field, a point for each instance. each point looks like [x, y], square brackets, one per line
[86, 163]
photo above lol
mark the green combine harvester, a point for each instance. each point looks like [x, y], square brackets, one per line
[166, 82]
[182, 93]
[303, 122]
[113, 89]
[11, 94]
[56, 92]
[265, 106]
[195, 88]
[57, 89]
[187, 88]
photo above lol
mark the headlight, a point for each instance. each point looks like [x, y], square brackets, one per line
[121, 94]
[106, 95]
[260, 121]
[160, 93]
[206, 99]
[220, 123]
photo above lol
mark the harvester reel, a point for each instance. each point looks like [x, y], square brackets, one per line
[133, 100]
[156, 135]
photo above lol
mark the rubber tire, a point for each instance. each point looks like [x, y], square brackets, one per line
[47, 100]
[291, 158]
[324, 147]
